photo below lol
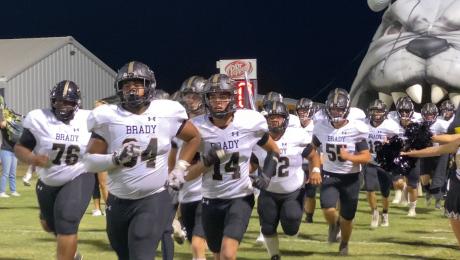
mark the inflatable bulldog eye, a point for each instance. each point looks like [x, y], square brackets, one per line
[378, 5]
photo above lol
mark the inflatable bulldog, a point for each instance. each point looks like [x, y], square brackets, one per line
[415, 52]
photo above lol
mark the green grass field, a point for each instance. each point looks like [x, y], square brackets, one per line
[428, 236]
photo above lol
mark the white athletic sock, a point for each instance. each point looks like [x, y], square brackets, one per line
[412, 204]
[272, 245]
[28, 174]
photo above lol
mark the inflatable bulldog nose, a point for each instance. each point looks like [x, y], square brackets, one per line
[426, 47]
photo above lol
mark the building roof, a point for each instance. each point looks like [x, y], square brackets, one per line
[18, 55]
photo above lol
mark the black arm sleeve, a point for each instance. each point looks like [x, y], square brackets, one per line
[96, 136]
[315, 141]
[263, 140]
[28, 139]
[254, 159]
[181, 127]
[306, 152]
[361, 146]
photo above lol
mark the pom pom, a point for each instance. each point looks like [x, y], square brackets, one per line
[389, 158]
[418, 136]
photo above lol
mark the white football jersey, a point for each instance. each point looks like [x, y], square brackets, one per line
[377, 135]
[152, 131]
[63, 143]
[230, 179]
[308, 135]
[332, 139]
[448, 121]
[439, 127]
[354, 114]
[191, 190]
[294, 121]
[289, 174]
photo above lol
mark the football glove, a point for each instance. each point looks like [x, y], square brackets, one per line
[213, 156]
[127, 154]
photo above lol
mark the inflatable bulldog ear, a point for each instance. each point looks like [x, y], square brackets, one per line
[378, 5]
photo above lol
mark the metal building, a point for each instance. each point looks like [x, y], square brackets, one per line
[30, 67]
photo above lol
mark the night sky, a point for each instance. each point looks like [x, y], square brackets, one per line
[301, 46]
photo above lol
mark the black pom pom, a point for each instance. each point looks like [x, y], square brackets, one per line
[389, 158]
[418, 136]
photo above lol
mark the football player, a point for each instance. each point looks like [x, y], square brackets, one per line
[228, 138]
[433, 169]
[404, 116]
[354, 113]
[282, 200]
[305, 112]
[132, 141]
[380, 130]
[190, 194]
[344, 142]
[54, 140]
[275, 96]
[447, 110]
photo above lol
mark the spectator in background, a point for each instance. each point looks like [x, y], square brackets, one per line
[10, 127]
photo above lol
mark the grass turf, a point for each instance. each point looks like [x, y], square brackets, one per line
[428, 236]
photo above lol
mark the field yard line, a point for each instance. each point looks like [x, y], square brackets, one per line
[440, 238]
[36, 231]
[353, 242]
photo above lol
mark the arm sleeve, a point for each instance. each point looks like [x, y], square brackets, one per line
[263, 140]
[28, 139]
[315, 141]
[361, 146]
[306, 152]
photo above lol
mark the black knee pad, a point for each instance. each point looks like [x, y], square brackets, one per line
[310, 190]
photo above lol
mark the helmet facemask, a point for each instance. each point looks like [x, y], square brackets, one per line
[277, 117]
[193, 102]
[220, 103]
[135, 84]
[65, 100]
[277, 123]
[134, 93]
[429, 113]
[220, 96]
[337, 108]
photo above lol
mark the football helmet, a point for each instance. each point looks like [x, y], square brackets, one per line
[304, 110]
[447, 109]
[377, 111]
[429, 112]
[192, 93]
[277, 108]
[69, 93]
[337, 105]
[404, 108]
[272, 96]
[135, 71]
[220, 84]
[176, 96]
[305, 104]
[160, 94]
